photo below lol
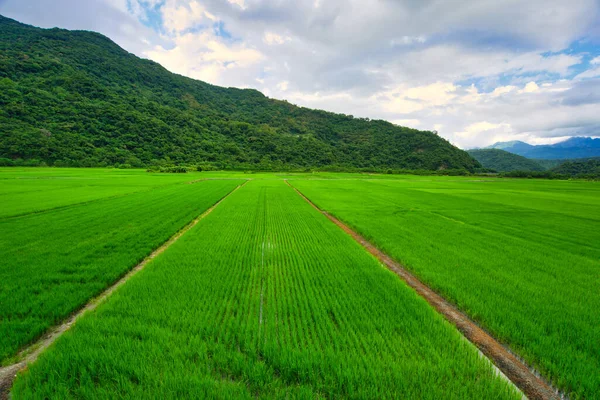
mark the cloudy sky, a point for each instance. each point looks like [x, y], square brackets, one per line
[477, 71]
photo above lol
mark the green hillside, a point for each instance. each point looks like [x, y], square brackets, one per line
[75, 98]
[503, 161]
[588, 168]
[549, 164]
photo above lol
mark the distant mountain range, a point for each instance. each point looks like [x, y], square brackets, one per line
[575, 147]
[504, 162]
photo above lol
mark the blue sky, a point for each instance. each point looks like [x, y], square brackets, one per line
[477, 71]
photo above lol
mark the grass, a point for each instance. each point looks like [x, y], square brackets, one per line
[520, 257]
[28, 190]
[263, 298]
[53, 262]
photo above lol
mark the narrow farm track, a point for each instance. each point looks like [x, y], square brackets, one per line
[533, 386]
[32, 352]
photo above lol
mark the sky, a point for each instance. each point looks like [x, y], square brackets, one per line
[475, 71]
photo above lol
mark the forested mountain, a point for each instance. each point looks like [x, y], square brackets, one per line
[76, 98]
[575, 147]
[503, 161]
[550, 164]
[589, 168]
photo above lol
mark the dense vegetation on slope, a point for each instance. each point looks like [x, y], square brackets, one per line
[549, 164]
[503, 161]
[589, 168]
[76, 98]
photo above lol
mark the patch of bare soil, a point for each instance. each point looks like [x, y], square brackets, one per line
[32, 352]
[514, 369]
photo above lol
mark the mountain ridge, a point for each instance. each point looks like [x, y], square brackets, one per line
[503, 161]
[75, 98]
[572, 148]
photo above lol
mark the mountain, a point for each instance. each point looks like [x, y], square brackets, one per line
[575, 147]
[75, 98]
[515, 145]
[550, 164]
[503, 161]
[583, 169]
[578, 142]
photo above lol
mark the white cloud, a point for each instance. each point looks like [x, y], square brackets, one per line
[531, 87]
[451, 62]
[204, 56]
[271, 38]
[590, 73]
[239, 3]
[409, 99]
[500, 90]
[177, 17]
[283, 86]
[478, 128]
[594, 71]
[408, 40]
[407, 122]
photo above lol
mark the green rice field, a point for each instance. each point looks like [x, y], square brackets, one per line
[521, 257]
[53, 262]
[265, 297]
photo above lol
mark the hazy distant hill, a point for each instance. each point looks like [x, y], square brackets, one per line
[76, 98]
[575, 147]
[503, 161]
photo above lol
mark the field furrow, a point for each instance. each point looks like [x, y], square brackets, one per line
[335, 323]
[520, 258]
[52, 263]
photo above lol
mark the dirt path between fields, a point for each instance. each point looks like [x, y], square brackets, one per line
[32, 352]
[528, 381]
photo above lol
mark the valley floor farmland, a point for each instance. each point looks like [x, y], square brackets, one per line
[53, 262]
[27, 190]
[264, 297]
[521, 257]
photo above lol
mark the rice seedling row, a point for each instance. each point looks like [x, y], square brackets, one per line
[24, 192]
[53, 262]
[521, 258]
[263, 298]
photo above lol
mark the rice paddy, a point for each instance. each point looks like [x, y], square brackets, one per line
[265, 297]
[53, 262]
[522, 258]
